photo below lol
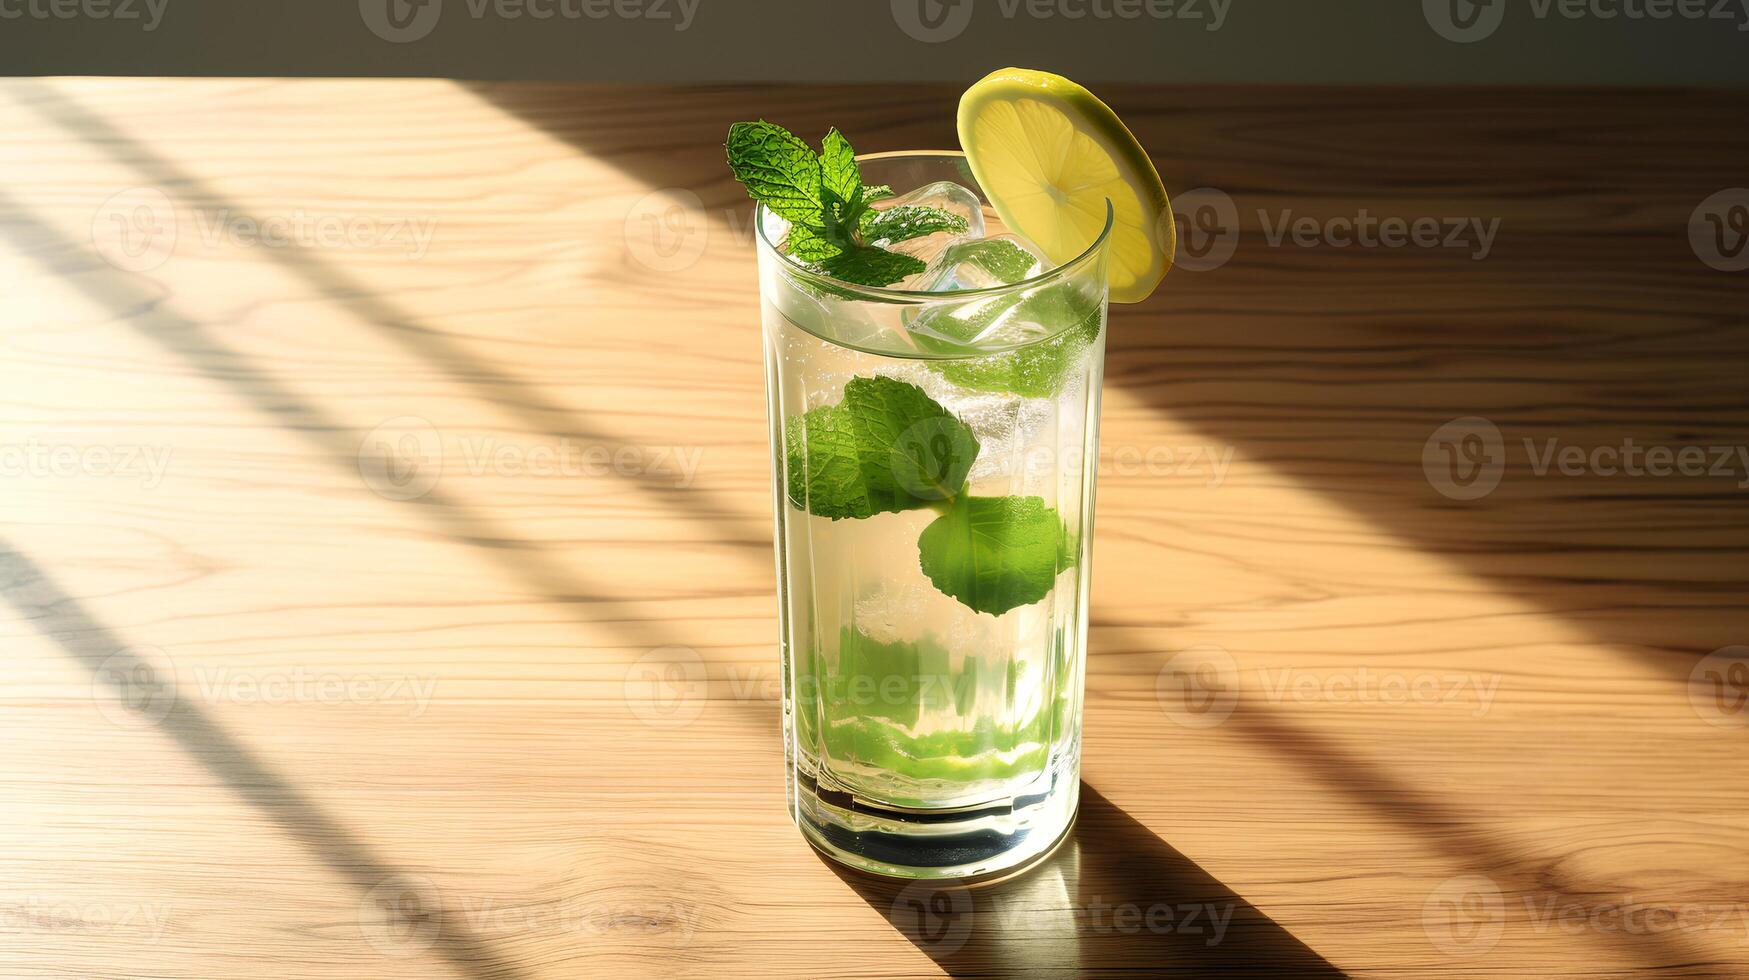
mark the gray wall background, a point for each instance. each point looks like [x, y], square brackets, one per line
[1587, 42]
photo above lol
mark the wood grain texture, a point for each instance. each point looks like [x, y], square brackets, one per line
[524, 724]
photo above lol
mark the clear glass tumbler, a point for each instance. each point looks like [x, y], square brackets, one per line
[934, 456]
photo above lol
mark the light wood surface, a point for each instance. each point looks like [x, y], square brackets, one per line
[524, 725]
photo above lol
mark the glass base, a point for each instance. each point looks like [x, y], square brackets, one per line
[970, 844]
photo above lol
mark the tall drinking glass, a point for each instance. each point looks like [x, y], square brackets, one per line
[933, 460]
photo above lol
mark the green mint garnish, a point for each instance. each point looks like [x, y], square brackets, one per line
[827, 204]
[870, 266]
[1037, 370]
[887, 447]
[906, 221]
[995, 553]
[868, 698]
[806, 245]
[779, 170]
[998, 256]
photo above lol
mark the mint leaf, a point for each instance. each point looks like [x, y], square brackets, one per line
[1037, 370]
[887, 447]
[806, 245]
[778, 169]
[823, 197]
[999, 257]
[994, 553]
[840, 179]
[907, 221]
[866, 265]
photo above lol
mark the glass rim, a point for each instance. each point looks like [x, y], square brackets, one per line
[886, 294]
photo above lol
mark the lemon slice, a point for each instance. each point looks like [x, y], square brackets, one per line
[1048, 154]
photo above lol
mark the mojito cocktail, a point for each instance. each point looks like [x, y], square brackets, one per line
[933, 377]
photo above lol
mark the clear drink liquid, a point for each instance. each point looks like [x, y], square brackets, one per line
[927, 736]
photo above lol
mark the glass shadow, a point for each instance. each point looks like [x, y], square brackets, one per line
[1113, 900]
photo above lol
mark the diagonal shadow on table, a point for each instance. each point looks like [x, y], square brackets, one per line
[400, 914]
[741, 531]
[135, 302]
[1113, 900]
[1334, 367]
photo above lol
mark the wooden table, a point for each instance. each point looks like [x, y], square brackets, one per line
[388, 577]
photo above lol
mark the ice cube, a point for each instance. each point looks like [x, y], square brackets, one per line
[948, 196]
[985, 262]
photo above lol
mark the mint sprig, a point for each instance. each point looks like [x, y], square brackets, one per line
[888, 447]
[995, 553]
[828, 206]
[885, 448]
